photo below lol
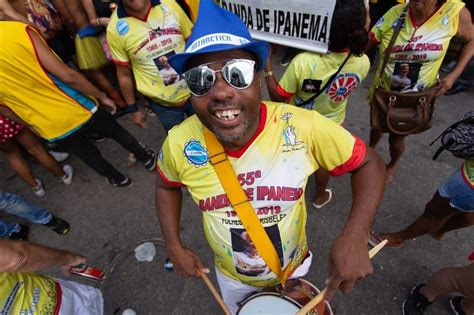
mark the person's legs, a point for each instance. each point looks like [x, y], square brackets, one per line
[449, 280]
[7, 228]
[397, 147]
[80, 145]
[375, 137]
[458, 221]
[169, 116]
[437, 212]
[104, 124]
[30, 142]
[322, 178]
[19, 206]
[17, 162]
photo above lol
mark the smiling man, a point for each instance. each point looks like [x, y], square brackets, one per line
[273, 148]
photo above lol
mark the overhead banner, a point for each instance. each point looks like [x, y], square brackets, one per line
[303, 24]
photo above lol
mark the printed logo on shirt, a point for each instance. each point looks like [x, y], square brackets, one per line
[122, 27]
[379, 22]
[195, 153]
[291, 141]
[342, 86]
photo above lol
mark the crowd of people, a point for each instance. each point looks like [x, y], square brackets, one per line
[69, 69]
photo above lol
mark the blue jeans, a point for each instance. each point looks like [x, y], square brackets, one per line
[171, 116]
[21, 207]
[459, 193]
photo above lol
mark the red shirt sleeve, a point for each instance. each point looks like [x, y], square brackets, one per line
[358, 155]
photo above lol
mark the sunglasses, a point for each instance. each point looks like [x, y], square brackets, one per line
[238, 73]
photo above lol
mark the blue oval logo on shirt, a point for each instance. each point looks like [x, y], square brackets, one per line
[196, 153]
[122, 27]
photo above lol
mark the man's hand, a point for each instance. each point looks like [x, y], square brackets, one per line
[445, 84]
[186, 263]
[139, 119]
[108, 103]
[72, 260]
[349, 262]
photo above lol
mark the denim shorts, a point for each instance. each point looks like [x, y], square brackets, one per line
[459, 193]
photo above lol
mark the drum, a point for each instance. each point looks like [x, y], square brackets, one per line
[298, 293]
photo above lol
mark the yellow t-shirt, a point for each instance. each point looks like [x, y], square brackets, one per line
[28, 293]
[273, 168]
[51, 107]
[308, 72]
[147, 45]
[418, 50]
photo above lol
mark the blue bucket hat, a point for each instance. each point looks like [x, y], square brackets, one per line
[217, 29]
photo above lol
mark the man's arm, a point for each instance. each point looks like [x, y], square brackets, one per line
[168, 202]
[127, 87]
[349, 259]
[20, 256]
[66, 74]
[272, 82]
[465, 32]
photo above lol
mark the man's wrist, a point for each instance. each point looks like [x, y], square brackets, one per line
[267, 74]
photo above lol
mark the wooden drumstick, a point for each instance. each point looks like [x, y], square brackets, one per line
[318, 298]
[215, 293]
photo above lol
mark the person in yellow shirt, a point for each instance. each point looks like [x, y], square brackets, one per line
[422, 44]
[273, 148]
[23, 291]
[309, 72]
[141, 34]
[58, 102]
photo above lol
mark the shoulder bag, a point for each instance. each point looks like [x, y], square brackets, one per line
[401, 113]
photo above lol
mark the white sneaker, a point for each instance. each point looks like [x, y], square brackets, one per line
[39, 189]
[59, 156]
[67, 178]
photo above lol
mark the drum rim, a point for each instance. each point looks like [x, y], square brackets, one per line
[253, 296]
[243, 302]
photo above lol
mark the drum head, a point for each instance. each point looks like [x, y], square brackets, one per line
[268, 303]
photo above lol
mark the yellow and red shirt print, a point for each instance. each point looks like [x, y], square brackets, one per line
[273, 169]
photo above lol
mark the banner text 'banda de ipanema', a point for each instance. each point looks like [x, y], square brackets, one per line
[303, 24]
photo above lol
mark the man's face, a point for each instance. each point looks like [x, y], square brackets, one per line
[405, 69]
[232, 114]
[136, 6]
[422, 4]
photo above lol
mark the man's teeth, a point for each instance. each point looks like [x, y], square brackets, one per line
[228, 114]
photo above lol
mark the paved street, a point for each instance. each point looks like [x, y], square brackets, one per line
[107, 223]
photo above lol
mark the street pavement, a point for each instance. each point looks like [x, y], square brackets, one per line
[108, 223]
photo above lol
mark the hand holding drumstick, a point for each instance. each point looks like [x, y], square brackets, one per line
[318, 298]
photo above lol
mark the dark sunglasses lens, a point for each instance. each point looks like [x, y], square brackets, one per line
[239, 73]
[199, 80]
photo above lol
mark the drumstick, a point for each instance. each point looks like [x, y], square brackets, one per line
[318, 298]
[215, 293]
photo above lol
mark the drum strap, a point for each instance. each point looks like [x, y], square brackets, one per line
[241, 204]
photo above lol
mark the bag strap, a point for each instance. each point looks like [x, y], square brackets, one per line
[241, 204]
[387, 51]
[309, 100]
